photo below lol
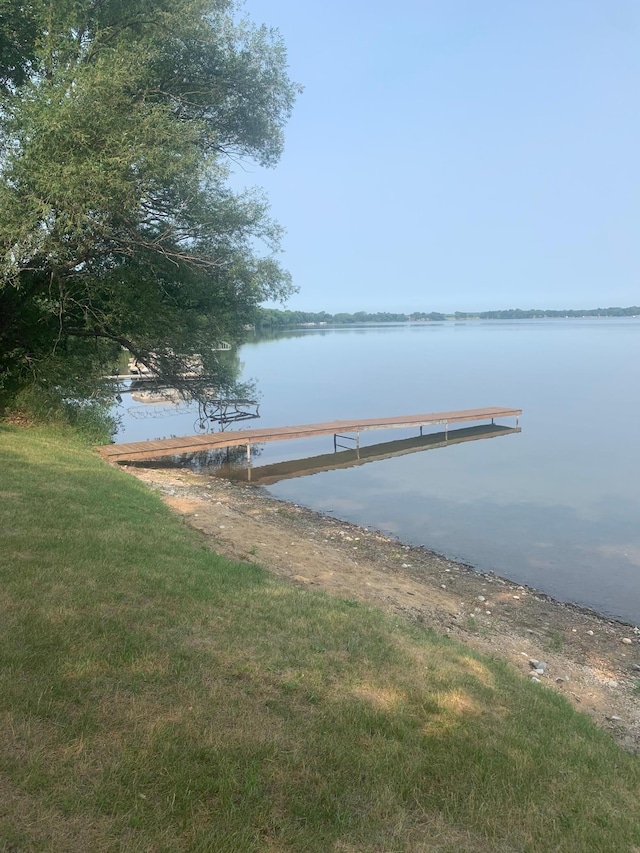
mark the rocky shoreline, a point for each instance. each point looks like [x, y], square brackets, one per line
[594, 661]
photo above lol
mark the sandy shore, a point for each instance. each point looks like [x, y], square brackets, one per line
[592, 660]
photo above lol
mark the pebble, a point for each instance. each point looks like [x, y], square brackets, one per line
[614, 719]
[626, 641]
[590, 633]
[537, 680]
[481, 598]
[635, 666]
[538, 664]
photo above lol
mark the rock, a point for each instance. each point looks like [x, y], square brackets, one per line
[536, 680]
[626, 641]
[590, 633]
[611, 683]
[636, 667]
[614, 719]
[481, 598]
[538, 664]
[539, 671]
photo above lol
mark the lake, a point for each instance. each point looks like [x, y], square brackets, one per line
[556, 506]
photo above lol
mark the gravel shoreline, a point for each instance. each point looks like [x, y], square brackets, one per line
[593, 660]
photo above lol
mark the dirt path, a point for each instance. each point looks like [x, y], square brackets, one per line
[594, 661]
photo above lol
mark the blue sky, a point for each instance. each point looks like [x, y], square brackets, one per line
[459, 154]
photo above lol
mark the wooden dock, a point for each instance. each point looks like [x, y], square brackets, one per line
[144, 450]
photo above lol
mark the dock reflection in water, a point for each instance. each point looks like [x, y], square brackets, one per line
[267, 475]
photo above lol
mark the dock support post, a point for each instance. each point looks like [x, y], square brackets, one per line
[446, 430]
[249, 455]
[335, 444]
[517, 419]
[420, 430]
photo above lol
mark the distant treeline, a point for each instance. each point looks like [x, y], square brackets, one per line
[520, 314]
[275, 318]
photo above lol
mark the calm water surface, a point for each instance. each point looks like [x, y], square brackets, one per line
[556, 506]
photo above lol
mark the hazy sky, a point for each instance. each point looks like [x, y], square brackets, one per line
[460, 154]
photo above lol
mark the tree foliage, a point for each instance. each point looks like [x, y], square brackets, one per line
[119, 122]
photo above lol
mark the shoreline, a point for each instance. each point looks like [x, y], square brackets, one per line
[594, 660]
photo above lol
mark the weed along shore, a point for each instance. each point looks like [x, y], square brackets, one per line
[592, 660]
[191, 665]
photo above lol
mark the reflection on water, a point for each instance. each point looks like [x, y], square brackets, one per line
[144, 401]
[267, 475]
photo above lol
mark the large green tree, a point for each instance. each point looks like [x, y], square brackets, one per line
[119, 122]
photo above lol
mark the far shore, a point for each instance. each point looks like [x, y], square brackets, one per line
[592, 659]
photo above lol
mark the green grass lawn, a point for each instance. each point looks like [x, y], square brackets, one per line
[157, 697]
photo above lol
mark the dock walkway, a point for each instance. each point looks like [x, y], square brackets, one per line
[144, 450]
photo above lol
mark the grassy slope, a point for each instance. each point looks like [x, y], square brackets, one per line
[157, 697]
